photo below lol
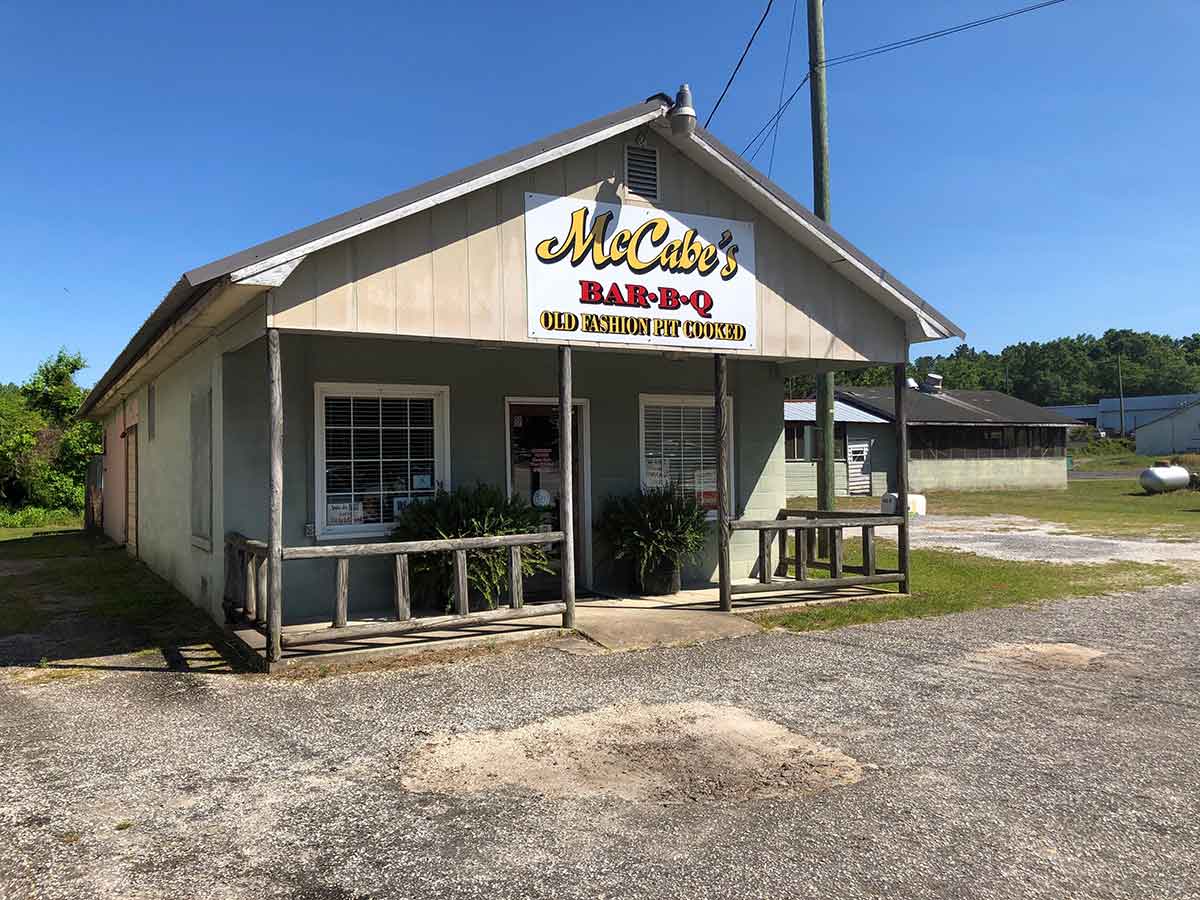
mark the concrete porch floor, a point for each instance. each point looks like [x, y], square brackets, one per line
[603, 623]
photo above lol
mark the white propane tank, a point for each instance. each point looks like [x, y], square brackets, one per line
[1160, 479]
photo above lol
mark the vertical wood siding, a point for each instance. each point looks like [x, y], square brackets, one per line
[458, 271]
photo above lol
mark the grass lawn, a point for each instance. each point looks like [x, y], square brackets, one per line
[945, 581]
[13, 534]
[89, 591]
[1116, 507]
[1120, 462]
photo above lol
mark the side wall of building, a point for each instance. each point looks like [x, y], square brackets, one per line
[1179, 433]
[479, 381]
[987, 474]
[802, 474]
[114, 476]
[192, 562]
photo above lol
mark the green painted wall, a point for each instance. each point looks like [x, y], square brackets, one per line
[479, 380]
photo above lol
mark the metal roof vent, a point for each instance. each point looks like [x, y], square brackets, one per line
[683, 114]
[933, 384]
[641, 171]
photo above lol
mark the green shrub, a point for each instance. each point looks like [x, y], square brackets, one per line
[1107, 447]
[37, 517]
[478, 511]
[654, 528]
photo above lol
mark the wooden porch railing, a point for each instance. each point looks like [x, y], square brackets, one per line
[246, 562]
[804, 525]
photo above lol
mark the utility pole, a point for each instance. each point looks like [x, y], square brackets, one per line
[820, 155]
[1121, 392]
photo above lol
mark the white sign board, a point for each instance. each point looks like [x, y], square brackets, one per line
[635, 275]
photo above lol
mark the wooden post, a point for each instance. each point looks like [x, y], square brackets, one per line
[262, 591]
[801, 572]
[781, 562]
[403, 601]
[835, 552]
[566, 502]
[462, 596]
[900, 386]
[516, 586]
[249, 596]
[719, 390]
[275, 484]
[868, 542]
[765, 538]
[341, 604]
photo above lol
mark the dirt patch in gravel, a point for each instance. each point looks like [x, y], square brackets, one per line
[1039, 656]
[1021, 538]
[666, 753]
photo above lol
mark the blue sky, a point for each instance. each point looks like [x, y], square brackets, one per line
[1032, 178]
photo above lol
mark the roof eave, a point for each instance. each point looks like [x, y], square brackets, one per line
[927, 322]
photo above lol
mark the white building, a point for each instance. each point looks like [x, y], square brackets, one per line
[1176, 432]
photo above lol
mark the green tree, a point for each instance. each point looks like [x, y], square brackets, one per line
[44, 446]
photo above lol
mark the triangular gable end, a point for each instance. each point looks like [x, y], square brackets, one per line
[372, 269]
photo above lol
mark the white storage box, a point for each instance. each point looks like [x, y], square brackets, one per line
[889, 507]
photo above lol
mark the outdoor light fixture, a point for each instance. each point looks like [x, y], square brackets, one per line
[683, 114]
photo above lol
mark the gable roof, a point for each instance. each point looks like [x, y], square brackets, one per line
[955, 407]
[704, 148]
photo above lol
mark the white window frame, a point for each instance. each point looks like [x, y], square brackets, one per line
[439, 393]
[692, 400]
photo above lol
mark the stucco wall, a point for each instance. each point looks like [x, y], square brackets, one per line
[165, 541]
[479, 380]
[114, 476]
[986, 474]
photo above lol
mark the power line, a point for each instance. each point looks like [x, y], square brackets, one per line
[774, 118]
[733, 74]
[787, 58]
[773, 121]
[931, 35]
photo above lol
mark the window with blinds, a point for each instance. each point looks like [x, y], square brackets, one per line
[380, 453]
[679, 447]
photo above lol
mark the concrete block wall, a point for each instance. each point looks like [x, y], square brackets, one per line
[987, 474]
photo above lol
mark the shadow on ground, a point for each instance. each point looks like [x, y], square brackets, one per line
[78, 602]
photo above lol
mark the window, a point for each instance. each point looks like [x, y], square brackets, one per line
[802, 441]
[378, 448]
[679, 445]
[201, 443]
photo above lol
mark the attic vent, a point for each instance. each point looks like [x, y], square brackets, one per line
[641, 172]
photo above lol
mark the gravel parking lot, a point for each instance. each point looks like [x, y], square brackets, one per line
[954, 758]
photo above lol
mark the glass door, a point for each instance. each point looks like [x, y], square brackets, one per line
[536, 477]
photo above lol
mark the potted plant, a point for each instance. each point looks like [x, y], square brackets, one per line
[479, 510]
[656, 529]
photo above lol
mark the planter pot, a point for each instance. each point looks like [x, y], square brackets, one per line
[666, 579]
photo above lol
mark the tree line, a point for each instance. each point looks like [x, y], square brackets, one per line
[1067, 370]
[45, 447]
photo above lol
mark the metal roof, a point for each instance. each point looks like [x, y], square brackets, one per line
[194, 283]
[955, 407]
[806, 411]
